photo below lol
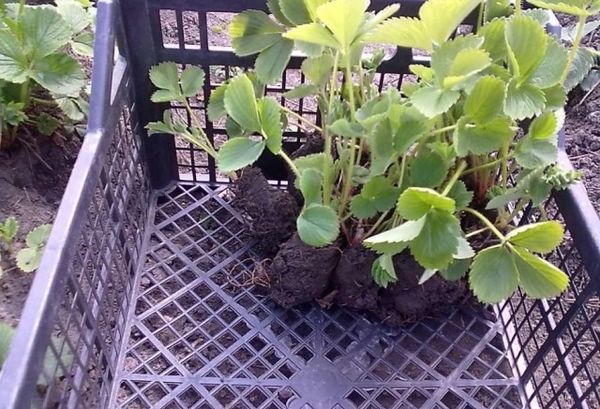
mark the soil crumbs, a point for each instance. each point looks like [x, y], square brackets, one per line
[31, 187]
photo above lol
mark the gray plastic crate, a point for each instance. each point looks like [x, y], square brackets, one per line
[137, 303]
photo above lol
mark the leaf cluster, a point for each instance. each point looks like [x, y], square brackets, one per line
[401, 170]
[37, 66]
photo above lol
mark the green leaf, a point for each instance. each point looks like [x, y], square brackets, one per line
[239, 152]
[416, 202]
[14, 64]
[343, 18]
[216, 104]
[301, 91]
[74, 14]
[73, 108]
[556, 97]
[408, 125]
[318, 69]
[38, 237]
[427, 275]
[466, 64]
[8, 229]
[377, 195]
[494, 41]
[456, 270]
[44, 31]
[240, 103]
[383, 271]
[464, 250]
[381, 154]
[582, 64]
[165, 76]
[428, 169]
[29, 259]
[46, 124]
[295, 11]
[445, 56]
[523, 102]
[481, 138]
[539, 278]
[550, 71]
[433, 27]
[402, 234]
[318, 225]
[533, 153]
[270, 120]
[313, 161]
[421, 71]
[437, 242]
[494, 276]
[343, 127]
[573, 7]
[431, 101]
[271, 62]
[59, 74]
[313, 33]
[310, 185]
[540, 237]
[544, 126]
[527, 42]
[275, 9]
[6, 335]
[461, 196]
[486, 99]
[252, 31]
[192, 80]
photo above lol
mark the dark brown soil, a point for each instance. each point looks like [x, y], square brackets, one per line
[402, 302]
[272, 212]
[30, 191]
[301, 273]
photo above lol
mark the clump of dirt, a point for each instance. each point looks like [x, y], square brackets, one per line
[272, 212]
[402, 302]
[301, 273]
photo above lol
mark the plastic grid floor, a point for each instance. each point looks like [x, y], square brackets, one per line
[199, 340]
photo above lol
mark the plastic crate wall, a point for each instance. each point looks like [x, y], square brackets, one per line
[76, 323]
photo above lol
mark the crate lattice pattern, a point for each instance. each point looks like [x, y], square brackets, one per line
[199, 340]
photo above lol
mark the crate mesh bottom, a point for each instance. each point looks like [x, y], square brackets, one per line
[199, 339]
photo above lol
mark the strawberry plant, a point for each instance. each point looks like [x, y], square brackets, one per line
[440, 168]
[36, 66]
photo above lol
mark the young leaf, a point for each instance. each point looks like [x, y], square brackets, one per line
[416, 202]
[318, 225]
[192, 80]
[494, 42]
[271, 62]
[533, 153]
[461, 196]
[466, 64]
[433, 27]
[240, 103]
[318, 69]
[216, 104]
[494, 276]
[431, 101]
[46, 124]
[540, 237]
[310, 186]
[408, 126]
[252, 32]
[383, 271]
[428, 169]
[481, 138]
[583, 62]
[539, 278]
[38, 237]
[29, 259]
[402, 234]
[486, 99]
[527, 43]
[239, 152]
[523, 101]
[343, 18]
[456, 270]
[313, 33]
[377, 195]
[437, 242]
[270, 120]
[8, 229]
[544, 126]
[345, 128]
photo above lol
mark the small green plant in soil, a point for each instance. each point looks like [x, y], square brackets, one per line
[41, 83]
[441, 168]
[29, 257]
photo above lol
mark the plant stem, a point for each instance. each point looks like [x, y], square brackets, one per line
[442, 130]
[290, 163]
[43, 101]
[476, 232]
[517, 7]
[487, 222]
[300, 118]
[24, 95]
[504, 153]
[574, 48]
[196, 124]
[327, 170]
[487, 165]
[350, 167]
[461, 167]
[376, 225]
